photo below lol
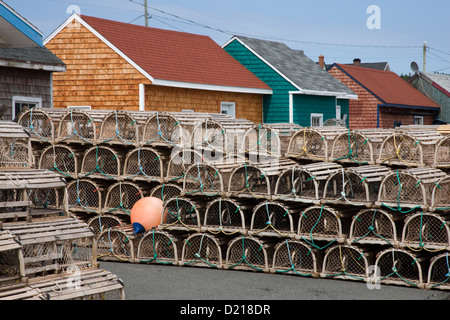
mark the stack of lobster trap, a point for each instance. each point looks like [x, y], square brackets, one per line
[367, 205]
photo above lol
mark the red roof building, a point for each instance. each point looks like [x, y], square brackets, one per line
[385, 100]
[121, 66]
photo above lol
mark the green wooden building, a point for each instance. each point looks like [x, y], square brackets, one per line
[303, 92]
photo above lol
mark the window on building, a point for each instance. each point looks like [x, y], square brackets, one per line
[228, 108]
[21, 103]
[338, 112]
[316, 119]
[418, 120]
[397, 124]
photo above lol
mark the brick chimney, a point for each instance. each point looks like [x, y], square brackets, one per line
[357, 62]
[322, 61]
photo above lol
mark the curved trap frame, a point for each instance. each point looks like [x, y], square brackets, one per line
[439, 272]
[346, 262]
[121, 197]
[162, 129]
[202, 179]
[210, 135]
[116, 244]
[426, 231]
[85, 195]
[352, 147]
[179, 162]
[15, 146]
[101, 162]
[429, 140]
[296, 258]
[409, 189]
[308, 144]
[119, 127]
[144, 164]
[226, 216]
[440, 200]
[249, 181]
[374, 226]
[103, 222]
[274, 219]
[442, 154]
[261, 140]
[357, 186]
[320, 223]
[401, 149]
[249, 253]
[398, 266]
[203, 250]
[304, 183]
[166, 192]
[62, 159]
[76, 126]
[39, 124]
[182, 214]
[159, 247]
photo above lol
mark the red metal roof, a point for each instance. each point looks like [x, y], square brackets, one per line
[176, 56]
[388, 86]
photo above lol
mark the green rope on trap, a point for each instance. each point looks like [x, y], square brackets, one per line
[198, 257]
[97, 167]
[292, 266]
[141, 168]
[31, 126]
[344, 271]
[121, 201]
[244, 258]
[78, 201]
[155, 255]
[446, 275]
[371, 230]
[311, 236]
[399, 208]
[75, 132]
[117, 133]
[160, 132]
[352, 152]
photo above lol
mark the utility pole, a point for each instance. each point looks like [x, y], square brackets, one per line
[425, 56]
[146, 13]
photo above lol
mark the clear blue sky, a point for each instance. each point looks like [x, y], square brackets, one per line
[335, 28]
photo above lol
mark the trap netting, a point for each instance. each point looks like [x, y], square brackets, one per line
[166, 191]
[119, 127]
[39, 124]
[10, 253]
[308, 144]
[439, 272]
[261, 140]
[375, 226]
[210, 135]
[249, 180]
[321, 226]
[428, 140]
[227, 216]
[204, 180]
[121, 197]
[295, 257]
[180, 161]
[401, 149]
[272, 218]
[358, 186]
[398, 266]
[182, 214]
[47, 202]
[442, 154]
[103, 222]
[440, 195]
[144, 164]
[334, 122]
[249, 253]
[204, 250]
[346, 262]
[101, 162]
[352, 147]
[159, 247]
[426, 231]
[15, 146]
[163, 129]
[61, 159]
[116, 244]
[76, 126]
[85, 195]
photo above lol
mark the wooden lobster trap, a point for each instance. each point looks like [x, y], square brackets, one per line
[261, 140]
[409, 189]
[121, 197]
[250, 254]
[401, 149]
[11, 260]
[85, 196]
[375, 226]
[144, 164]
[117, 243]
[103, 222]
[166, 191]
[304, 183]
[179, 162]
[204, 250]
[119, 128]
[401, 267]
[210, 135]
[203, 179]
[77, 127]
[295, 258]
[428, 140]
[440, 200]
[182, 214]
[426, 231]
[159, 247]
[227, 216]
[275, 219]
[357, 186]
[163, 129]
[313, 143]
[39, 124]
[353, 147]
[347, 262]
[439, 272]
[442, 154]
[62, 159]
[15, 147]
[101, 162]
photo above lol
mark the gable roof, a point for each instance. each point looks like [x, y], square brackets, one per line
[31, 58]
[439, 81]
[296, 67]
[387, 87]
[172, 58]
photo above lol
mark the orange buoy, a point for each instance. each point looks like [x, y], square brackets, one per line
[146, 214]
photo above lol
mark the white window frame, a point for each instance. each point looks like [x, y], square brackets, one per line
[420, 118]
[20, 99]
[338, 111]
[229, 108]
[319, 116]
